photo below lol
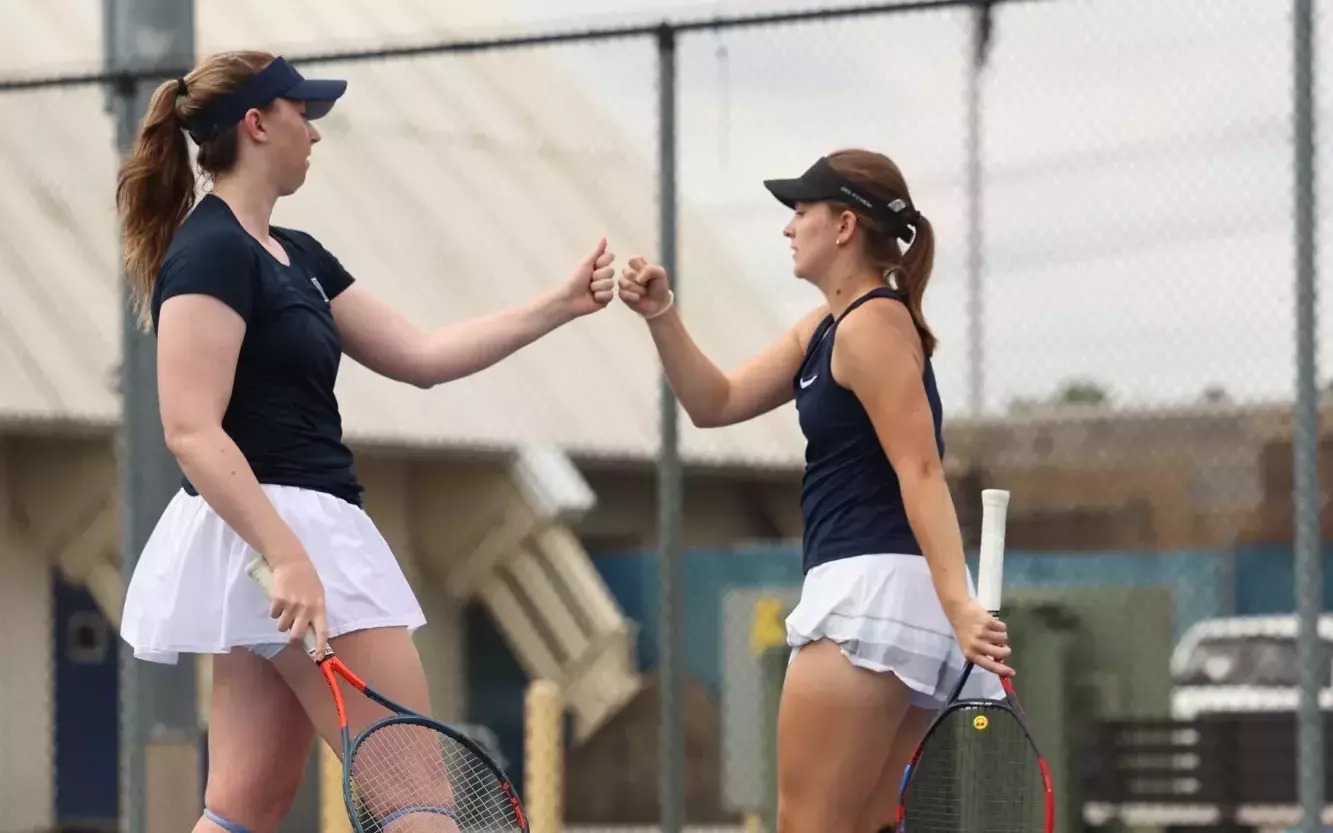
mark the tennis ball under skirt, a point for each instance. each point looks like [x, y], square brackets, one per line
[883, 612]
[190, 592]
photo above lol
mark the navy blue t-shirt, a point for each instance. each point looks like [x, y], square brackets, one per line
[283, 414]
[850, 497]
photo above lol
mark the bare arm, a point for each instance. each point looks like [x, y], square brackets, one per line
[385, 341]
[714, 398]
[878, 356]
[380, 337]
[198, 341]
[710, 396]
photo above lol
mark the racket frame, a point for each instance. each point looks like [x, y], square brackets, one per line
[990, 580]
[331, 667]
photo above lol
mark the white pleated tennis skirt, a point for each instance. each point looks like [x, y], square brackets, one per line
[190, 592]
[883, 612]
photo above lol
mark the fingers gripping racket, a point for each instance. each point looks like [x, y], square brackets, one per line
[408, 773]
[977, 769]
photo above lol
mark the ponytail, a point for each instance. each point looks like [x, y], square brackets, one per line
[154, 193]
[910, 270]
[917, 264]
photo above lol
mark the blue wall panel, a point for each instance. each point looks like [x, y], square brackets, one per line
[1265, 582]
[707, 575]
[1206, 583]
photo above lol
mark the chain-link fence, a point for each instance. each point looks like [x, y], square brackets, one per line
[1117, 197]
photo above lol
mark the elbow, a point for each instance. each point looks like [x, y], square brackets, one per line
[918, 473]
[184, 440]
[420, 381]
[710, 416]
[414, 371]
[710, 413]
[422, 365]
[189, 439]
[704, 419]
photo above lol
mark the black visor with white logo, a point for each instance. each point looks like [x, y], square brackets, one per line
[821, 183]
[277, 80]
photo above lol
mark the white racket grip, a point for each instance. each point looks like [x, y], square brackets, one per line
[990, 574]
[262, 573]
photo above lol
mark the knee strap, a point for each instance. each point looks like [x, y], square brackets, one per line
[223, 823]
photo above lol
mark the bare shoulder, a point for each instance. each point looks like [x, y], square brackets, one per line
[879, 335]
[805, 327]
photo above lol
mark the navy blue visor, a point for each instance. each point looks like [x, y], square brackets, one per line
[821, 183]
[277, 80]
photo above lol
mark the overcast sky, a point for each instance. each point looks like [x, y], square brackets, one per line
[1138, 192]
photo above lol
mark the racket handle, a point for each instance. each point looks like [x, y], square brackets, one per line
[262, 573]
[990, 575]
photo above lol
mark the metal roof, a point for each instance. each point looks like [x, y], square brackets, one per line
[451, 186]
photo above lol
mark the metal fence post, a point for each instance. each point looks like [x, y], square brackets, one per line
[671, 789]
[981, 21]
[159, 737]
[1305, 440]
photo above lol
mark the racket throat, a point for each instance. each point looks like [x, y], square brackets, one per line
[332, 683]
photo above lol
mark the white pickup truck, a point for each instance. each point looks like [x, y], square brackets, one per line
[1236, 665]
[1247, 664]
[1243, 664]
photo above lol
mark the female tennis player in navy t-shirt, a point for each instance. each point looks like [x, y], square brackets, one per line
[251, 322]
[887, 612]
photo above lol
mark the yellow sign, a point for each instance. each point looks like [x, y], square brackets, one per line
[767, 626]
[980, 723]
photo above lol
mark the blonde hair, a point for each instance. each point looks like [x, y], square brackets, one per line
[155, 187]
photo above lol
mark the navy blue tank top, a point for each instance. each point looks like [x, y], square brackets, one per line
[850, 498]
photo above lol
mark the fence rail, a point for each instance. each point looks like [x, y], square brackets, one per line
[1136, 191]
[129, 74]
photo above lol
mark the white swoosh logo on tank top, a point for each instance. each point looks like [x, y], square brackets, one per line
[805, 383]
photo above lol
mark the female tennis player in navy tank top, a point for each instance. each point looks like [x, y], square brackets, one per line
[887, 612]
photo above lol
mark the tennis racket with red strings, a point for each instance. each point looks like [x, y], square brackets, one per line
[977, 769]
[408, 773]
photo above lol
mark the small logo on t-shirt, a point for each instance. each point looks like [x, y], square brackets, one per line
[805, 383]
[315, 281]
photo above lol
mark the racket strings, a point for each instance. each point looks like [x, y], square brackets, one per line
[978, 773]
[411, 778]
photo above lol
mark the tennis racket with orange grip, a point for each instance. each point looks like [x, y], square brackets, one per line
[408, 773]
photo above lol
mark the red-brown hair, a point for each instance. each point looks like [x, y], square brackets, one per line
[881, 177]
[155, 189]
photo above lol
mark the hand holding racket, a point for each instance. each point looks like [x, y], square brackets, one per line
[983, 638]
[296, 597]
[408, 773]
[977, 769]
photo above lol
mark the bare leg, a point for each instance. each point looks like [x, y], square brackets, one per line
[881, 809]
[259, 742]
[836, 729]
[388, 661]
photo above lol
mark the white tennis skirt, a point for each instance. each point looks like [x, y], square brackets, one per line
[883, 612]
[190, 592]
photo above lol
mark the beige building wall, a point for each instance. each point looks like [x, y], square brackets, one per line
[26, 701]
[59, 510]
[719, 509]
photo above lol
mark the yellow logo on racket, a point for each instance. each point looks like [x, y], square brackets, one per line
[980, 723]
